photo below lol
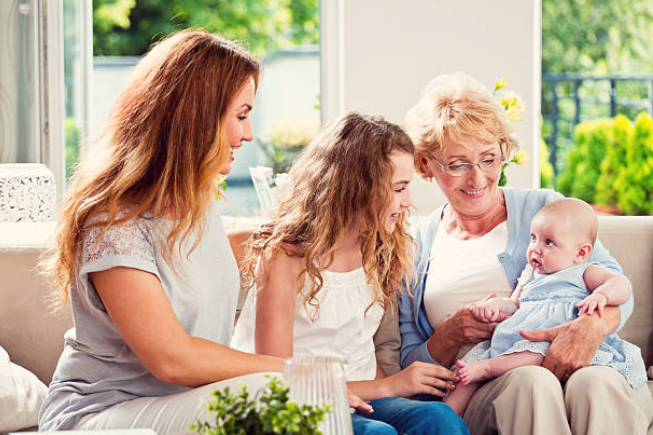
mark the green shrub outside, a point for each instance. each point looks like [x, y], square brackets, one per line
[635, 183]
[611, 164]
[584, 161]
[546, 168]
[615, 162]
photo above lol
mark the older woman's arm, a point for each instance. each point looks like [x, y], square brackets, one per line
[443, 345]
[574, 344]
[457, 330]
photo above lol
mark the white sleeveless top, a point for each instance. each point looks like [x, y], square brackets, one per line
[464, 271]
[341, 329]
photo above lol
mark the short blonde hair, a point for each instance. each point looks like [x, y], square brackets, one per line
[453, 107]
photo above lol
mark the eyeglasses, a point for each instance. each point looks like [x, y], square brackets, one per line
[460, 169]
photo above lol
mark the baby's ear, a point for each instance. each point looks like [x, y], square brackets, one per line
[584, 253]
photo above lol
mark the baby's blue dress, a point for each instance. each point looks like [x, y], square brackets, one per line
[547, 301]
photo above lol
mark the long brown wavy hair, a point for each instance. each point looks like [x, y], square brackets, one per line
[162, 149]
[343, 175]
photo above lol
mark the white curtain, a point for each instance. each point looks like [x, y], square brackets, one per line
[19, 82]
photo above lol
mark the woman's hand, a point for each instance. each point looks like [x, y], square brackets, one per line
[574, 344]
[419, 378]
[459, 329]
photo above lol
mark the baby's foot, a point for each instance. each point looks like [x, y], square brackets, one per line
[469, 372]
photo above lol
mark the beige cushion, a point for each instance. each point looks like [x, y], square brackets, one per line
[30, 333]
[630, 240]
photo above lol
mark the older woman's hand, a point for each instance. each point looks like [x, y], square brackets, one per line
[459, 329]
[574, 344]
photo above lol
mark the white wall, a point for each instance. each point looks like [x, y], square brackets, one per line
[387, 50]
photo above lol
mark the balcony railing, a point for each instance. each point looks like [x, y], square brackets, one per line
[568, 100]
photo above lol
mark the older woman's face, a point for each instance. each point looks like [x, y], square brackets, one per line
[476, 192]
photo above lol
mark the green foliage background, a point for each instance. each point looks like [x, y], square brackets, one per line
[128, 27]
[599, 37]
[612, 164]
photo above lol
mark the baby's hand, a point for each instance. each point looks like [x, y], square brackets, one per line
[595, 301]
[486, 310]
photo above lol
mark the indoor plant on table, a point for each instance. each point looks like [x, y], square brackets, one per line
[285, 141]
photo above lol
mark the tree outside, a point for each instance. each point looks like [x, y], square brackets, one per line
[128, 27]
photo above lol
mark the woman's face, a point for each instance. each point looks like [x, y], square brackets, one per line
[404, 168]
[237, 121]
[476, 192]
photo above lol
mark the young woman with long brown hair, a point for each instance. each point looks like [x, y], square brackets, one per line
[331, 261]
[141, 255]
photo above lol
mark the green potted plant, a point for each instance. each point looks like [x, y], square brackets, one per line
[270, 414]
[285, 141]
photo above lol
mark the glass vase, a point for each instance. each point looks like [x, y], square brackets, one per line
[315, 380]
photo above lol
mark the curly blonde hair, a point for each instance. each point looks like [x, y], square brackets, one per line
[453, 107]
[163, 147]
[339, 178]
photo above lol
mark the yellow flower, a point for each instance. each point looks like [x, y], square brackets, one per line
[512, 104]
[500, 83]
[291, 134]
[521, 158]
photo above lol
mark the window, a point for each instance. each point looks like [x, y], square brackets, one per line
[283, 34]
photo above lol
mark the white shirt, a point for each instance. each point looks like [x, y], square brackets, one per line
[464, 271]
[342, 328]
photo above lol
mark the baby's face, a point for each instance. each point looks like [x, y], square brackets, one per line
[553, 246]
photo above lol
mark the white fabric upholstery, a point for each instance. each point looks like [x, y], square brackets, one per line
[33, 336]
[21, 395]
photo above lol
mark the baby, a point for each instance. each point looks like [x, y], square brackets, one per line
[552, 290]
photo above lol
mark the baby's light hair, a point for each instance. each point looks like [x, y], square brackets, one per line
[576, 213]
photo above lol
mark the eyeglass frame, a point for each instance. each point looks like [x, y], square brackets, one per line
[445, 169]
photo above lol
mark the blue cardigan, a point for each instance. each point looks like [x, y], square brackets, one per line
[521, 205]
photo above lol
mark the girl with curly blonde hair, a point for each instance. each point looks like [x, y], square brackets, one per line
[323, 271]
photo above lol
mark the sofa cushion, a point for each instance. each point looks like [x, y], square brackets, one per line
[630, 240]
[21, 396]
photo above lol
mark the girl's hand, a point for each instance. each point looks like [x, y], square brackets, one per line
[419, 378]
[595, 301]
[357, 403]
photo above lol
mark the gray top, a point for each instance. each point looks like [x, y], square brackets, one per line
[97, 369]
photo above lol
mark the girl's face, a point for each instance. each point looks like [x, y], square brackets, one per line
[475, 193]
[237, 121]
[401, 176]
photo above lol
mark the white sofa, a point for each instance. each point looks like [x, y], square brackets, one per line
[33, 337]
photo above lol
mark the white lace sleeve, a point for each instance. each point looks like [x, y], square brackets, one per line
[127, 245]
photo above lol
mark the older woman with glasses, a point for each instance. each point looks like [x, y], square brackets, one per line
[474, 247]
